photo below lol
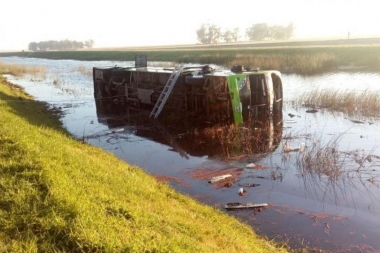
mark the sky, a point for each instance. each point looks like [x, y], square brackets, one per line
[123, 23]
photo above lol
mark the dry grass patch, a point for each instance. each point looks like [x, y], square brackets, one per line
[361, 103]
[299, 63]
[84, 71]
[20, 70]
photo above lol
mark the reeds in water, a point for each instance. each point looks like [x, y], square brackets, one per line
[20, 70]
[321, 159]
[361, 103]
[288, 63]
[84, 71]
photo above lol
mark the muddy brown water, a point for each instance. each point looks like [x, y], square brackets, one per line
[307, 208]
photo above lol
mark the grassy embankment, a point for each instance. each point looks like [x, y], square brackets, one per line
[60, 195]
[288, 59]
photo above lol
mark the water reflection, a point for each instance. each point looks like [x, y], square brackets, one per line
[216, 141]
[330, 175]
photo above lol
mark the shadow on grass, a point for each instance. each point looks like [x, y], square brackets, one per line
[35, 112]
[30, 216]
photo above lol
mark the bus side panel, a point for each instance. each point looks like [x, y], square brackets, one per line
[233, 83]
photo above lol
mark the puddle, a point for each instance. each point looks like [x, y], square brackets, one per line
[319, 172]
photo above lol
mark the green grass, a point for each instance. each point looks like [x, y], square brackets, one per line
[60, 195]
[287, 59]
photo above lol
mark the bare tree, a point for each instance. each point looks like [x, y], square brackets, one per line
[208, 34]
[33, 46]
[264, 32]
[258, 32]
[231, 35]
[89, 43]
[227, 36]
[202, 34]
[235, 34]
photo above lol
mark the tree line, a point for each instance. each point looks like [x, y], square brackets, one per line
[60, 45]
[212, 34]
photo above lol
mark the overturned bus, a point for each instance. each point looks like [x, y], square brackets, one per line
[195, 93]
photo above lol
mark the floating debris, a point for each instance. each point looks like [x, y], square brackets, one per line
[215, 173]
[357, 121]
[238, 205]
[218, 178]
[116, 131]
[249, 185]
[288, 149]
[255, 166]
[312, 111]
[228, 184]
[242, 191]
[300, 148]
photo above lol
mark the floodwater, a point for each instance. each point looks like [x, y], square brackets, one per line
[332, 204]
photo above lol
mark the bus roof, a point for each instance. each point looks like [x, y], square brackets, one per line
[188, 70]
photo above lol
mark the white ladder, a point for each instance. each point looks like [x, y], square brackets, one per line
[166, 92]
